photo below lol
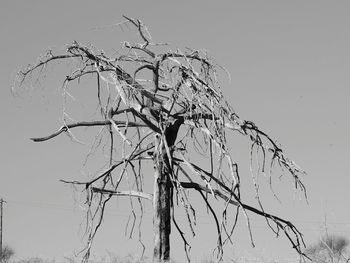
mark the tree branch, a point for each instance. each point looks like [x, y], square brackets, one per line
[129, 193]
[280, 223]
[87, 124]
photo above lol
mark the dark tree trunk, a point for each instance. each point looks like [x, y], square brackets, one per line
[161, 205]
[162, 198]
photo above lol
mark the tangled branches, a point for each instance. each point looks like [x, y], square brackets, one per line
[176, 97]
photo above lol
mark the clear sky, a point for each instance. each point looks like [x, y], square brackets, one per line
[289, 62]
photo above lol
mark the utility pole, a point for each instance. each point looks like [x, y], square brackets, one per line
[1, 205]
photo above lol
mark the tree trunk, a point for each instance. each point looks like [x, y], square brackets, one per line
[161, 205]
[163, 193]
[162, 199]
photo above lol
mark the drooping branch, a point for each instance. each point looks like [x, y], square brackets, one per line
[282, 224]
[86, 124]
[124, 193]
[110, 169]
[49, 57]
[201, 188]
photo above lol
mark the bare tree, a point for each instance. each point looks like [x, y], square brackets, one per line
[165, 106]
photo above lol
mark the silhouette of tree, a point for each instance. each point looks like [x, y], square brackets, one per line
[166, 106]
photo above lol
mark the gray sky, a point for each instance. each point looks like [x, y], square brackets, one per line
[289, 62]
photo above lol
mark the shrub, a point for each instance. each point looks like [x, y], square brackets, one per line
[6, 254]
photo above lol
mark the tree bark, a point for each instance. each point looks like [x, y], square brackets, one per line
[161, 204]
